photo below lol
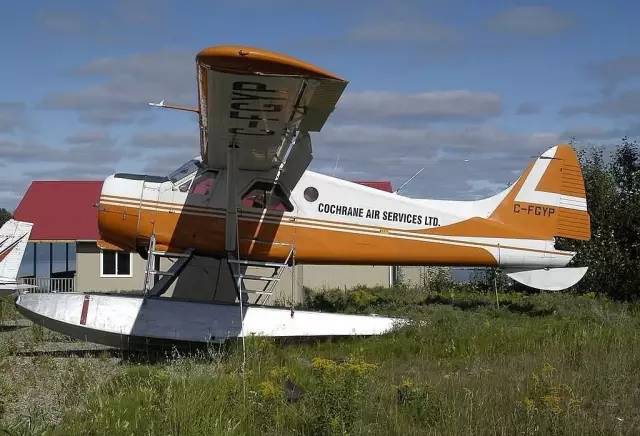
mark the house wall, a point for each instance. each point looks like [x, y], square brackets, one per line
[88, 271]
[207, 279]
[204, 279]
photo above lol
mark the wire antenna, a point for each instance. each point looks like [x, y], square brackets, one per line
[409, 180]
[335, 168]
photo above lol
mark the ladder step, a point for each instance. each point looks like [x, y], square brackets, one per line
[157, 253]
[249, 291]
[160, 273]
[253, 277]
[257, 263]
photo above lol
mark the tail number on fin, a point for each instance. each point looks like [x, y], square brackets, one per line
[532, 209]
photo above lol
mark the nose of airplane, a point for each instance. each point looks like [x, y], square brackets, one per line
[118, 211]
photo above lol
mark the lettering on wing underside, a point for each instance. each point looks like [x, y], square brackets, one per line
[254, 107]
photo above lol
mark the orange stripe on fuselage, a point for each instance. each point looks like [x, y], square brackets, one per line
[316, 241]
[472, 227]
[205, 234]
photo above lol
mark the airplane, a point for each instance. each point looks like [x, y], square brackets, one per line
[250, 200]
[14, 236]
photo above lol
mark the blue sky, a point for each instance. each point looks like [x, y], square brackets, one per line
[468, 91]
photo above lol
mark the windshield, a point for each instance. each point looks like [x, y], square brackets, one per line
[186, 169]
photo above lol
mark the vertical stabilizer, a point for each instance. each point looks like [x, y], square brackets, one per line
[14, 236]
[549, 199]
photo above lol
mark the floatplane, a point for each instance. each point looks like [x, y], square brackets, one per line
[14, 236]
[250, 200]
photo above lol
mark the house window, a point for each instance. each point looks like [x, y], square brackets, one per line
[115, 263]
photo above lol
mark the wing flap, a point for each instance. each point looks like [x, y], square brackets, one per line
[322, 102]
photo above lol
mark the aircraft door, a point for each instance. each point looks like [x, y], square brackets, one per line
[148, 211]
[197, 223]
[265, 211]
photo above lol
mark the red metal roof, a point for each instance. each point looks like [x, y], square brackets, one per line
[61, 210]
[383, 185]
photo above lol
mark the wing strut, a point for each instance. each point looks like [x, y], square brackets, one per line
[157, 281]
[231, 226]
[231, 241]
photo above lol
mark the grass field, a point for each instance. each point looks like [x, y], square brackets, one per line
[539, 364]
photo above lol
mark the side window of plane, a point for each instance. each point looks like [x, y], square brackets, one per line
[185, 186]
[263, 195]
[203, 184]
[186, 169]
[311, 194]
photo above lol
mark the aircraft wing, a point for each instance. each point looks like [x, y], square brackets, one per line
[264, 104]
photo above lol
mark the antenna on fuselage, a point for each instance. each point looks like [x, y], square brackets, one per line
[408, 180]
[335, 168]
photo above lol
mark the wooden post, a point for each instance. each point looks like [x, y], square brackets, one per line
[35, 256]
[50, 259]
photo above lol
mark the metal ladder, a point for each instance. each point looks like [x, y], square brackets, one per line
[157, 281]
[253, 271]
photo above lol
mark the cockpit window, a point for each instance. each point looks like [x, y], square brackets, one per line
[188, 168]
[185, 186]
[263, 195]
[204, 183]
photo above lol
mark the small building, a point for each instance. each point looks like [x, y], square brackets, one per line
[65, 232]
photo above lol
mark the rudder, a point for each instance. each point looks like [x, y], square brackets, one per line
[549, 199]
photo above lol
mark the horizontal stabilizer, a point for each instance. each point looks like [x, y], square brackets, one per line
[551, 279]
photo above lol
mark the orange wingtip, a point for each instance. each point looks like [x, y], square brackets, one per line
[250, 60]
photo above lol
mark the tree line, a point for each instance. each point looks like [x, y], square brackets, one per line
[612, 184]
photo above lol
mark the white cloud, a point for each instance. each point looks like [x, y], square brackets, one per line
[397, 30]
[187, 141]
[484, 186]
[127, 85]
[470, 137]
[591, 134]
[435, 105]
[528, 108]
[12, 116]
[614, 71]
[530, 21]
[453, 155]
[624, 103]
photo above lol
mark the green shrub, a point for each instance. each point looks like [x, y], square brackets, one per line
[420, 401]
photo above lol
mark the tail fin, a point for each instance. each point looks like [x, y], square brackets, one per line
[13, 241]
[548, 199]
